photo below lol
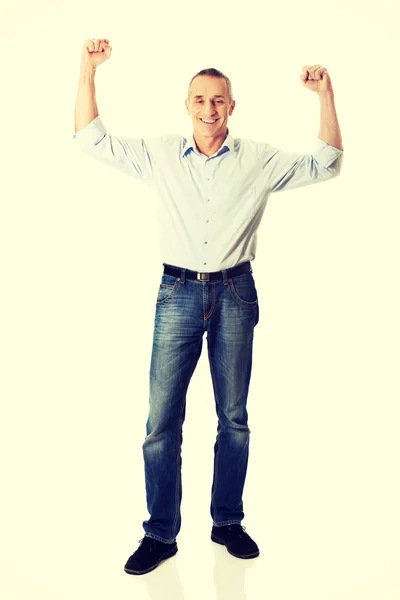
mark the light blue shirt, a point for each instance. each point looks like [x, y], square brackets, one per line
[208, 208]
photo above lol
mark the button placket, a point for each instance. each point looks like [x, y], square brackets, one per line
[208, 190]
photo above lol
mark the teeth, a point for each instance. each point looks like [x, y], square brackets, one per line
[208, 121]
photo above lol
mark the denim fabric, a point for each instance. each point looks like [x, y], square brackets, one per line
[185, 309]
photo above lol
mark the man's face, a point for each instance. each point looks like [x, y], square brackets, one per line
[209, 100]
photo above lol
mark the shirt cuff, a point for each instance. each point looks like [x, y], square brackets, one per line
[325, 153]
[92, 133]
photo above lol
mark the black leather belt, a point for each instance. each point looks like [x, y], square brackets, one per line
[214, 276]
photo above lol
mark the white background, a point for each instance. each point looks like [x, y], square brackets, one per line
[79, 276]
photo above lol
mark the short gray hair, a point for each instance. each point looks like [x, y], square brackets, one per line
[214, 73]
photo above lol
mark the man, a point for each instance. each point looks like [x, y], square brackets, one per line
[213, 190]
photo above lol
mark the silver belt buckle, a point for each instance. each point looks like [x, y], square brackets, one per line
[203, 276]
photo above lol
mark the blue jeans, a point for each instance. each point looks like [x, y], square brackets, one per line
[228, 311]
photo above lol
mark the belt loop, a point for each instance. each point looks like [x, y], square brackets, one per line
[183, 272]
[225, 276]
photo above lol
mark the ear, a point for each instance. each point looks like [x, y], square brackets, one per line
[232, 107]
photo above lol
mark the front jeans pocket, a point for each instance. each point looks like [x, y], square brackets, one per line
[168, 287]
[243, 290]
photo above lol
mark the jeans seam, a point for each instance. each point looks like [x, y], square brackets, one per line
[160, 539]
[216, 471]
[177, 507]
[213, 302]
[222, 523]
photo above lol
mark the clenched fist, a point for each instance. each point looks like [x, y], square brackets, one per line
[94, 53]
[316, 78]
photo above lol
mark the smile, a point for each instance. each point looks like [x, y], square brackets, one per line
[211, 122]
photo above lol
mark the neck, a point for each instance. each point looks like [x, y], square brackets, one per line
[208, 145]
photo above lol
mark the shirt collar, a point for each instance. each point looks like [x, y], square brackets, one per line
[227, 143]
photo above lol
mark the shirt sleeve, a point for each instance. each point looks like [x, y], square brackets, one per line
[133, 156]
[289, 170]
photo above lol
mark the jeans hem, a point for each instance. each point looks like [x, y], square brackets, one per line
[222, 523]
[160, 539]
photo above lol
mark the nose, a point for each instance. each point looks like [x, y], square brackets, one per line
[210, 110]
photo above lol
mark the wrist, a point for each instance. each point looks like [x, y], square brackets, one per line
[87, 72]
[327, 96]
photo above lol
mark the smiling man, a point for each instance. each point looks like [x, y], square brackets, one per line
[210, 105]
[212, 191]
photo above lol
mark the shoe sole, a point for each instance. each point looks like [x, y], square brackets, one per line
[223, 543]
[164, 556]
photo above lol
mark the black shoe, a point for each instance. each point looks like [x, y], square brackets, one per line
[148, 556]
[236, 540]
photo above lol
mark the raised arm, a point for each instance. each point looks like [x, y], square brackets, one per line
[289, 170]
[136, 157]
[94, 53]
[317, 79]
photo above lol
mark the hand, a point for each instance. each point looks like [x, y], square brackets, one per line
[94, 53]
[316, 79]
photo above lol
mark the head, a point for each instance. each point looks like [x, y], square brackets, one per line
[210, 98]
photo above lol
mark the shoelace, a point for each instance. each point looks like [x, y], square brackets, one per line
[237, 529]
[148, 543]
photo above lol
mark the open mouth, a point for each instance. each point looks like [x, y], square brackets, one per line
[209, 123]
